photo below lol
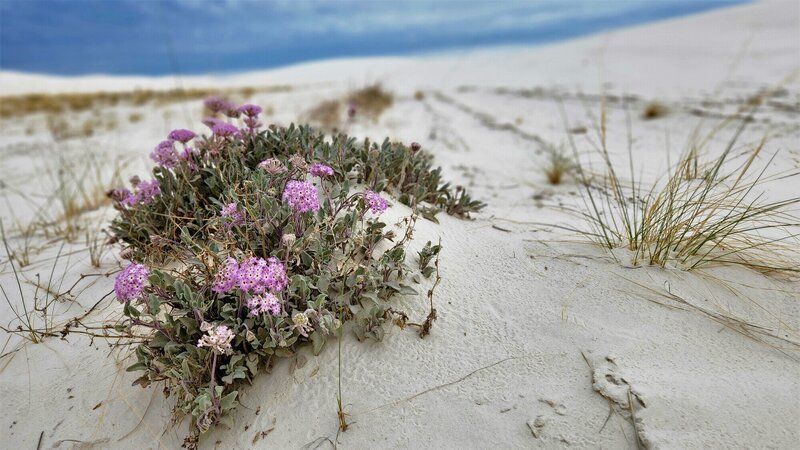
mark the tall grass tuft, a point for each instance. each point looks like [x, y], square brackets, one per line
[709, 210]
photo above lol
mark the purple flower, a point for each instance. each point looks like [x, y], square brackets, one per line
[375, 202]
[227, 278]
[165, 155]
[320, 170]
[130, 282]
[224, 129]
[217, 104]
[231, 214]
[257, 275]
[301, 196]
[147, 191]
[250, 110]
[264, 303]
[181, 135]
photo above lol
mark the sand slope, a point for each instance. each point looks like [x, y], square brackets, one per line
[537, 331]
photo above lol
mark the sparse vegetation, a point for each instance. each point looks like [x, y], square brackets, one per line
[707, 211]
[20, 105]
[34, 313]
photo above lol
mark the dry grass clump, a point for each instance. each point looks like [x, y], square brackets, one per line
[135, 117]
[368, 102]
[654, 110]
[326, 114]
[21, 105]
[34, 313]
[62, 128]
[558, 164]
[707, 211]
[371, 101]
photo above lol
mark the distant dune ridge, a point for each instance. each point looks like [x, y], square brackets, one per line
[543, 339]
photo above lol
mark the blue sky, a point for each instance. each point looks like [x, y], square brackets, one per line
[203, 36]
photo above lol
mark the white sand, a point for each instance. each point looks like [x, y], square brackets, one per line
[517, 309]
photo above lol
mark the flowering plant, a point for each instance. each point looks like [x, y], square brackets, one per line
[258, 241]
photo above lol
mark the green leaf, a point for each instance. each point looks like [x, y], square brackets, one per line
[229, 401]
[136, 366]
[318, 341]
[154, 303]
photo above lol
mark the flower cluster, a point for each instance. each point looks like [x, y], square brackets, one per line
[264, 303]
[181, 135]
[165, 155]
[253, 276]
[220, 105]
[250, 110]
[227, 277]
[301, 196]
[224, 129]
[232, 216]
[217, 338]
[146, 191]
[130, 282]
[257, 275]
[375, 202]
[251, 113]
[320, 170]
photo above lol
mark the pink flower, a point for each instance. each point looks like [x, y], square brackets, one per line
[257, 275]
[320, 170]
[265, 303]
[165, 155]
[130, 282]
[250, 110]
[148, 190]
[217, 104]
[232, 215]
[375, 202]
[224, 129]
[301, 196]
[227, 277]
[181, 135]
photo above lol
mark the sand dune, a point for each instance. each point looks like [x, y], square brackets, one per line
[544, 340]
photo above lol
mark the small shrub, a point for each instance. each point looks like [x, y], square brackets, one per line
[251, 243]
[20, 105]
